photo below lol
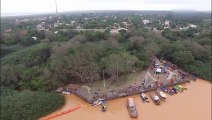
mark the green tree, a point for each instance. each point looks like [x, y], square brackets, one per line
[183, 57]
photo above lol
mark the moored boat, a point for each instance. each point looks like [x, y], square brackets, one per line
[104, 105]
[174, 90]
[165, 89]
[161, 94]
[132, 108]
[144, 97]
[181, 87]
[155, 99]
[178, 88]
[97, 102]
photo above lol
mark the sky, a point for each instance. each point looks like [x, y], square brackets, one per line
[15, 7]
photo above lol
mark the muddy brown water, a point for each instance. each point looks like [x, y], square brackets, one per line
[192, 104]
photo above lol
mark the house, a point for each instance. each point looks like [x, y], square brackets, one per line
[72, 22]
[125, 24]
[119, 29]
[57, 24]
[42, 18]
[78, 27]
[40, 26]
[166, 23]
[146, 22]
[192, 26]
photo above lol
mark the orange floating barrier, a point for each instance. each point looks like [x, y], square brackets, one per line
[63, 113]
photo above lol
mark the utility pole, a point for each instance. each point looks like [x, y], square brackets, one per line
[104, 77]
[56, 11]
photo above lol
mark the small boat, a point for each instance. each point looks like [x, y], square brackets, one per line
[132, 108]
[104, 105]
[144, 98]
[181, 87]
[178, 88]
[175, 90]
[161, 94]
[155, 99]
[165, 89]
[97, 102]
[67, 93]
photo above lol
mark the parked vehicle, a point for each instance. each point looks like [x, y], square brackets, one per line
[155, 99]
[132, 108]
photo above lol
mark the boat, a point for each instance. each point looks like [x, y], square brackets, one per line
[144, 98]
[97, 102]
[175, 90]
[155, 99]
[165, 89]
[65, 92]
[104, 105]
[181, 87]
[161, 94]
[178, 88]
[132, 108]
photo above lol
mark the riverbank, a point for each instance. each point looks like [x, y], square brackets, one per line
[192, 104]
[134, 83]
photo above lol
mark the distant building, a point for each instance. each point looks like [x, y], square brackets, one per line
[40, 26]
[166, 23]
[42, 18]
[192, 26]
[72, 22]
[57, 24]
[146, 22]
[125, 24]
[122, 29]
[78, 27]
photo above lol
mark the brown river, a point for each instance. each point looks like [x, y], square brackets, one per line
[192, 104]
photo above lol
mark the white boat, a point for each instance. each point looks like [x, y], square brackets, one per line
[67, 93]
[161, 94]
[155, 99]
[144, 97]
[131, 108]
[97, 102]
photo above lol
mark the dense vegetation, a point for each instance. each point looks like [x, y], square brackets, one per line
[192, 53]
[27, 105]
[62, 55]
[70, 56]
